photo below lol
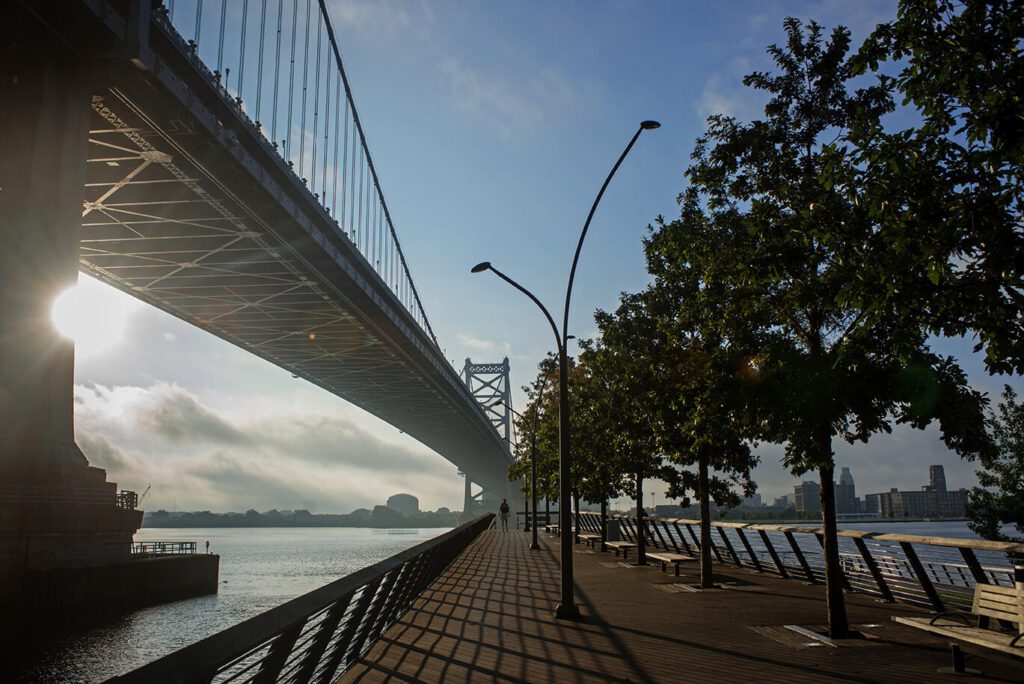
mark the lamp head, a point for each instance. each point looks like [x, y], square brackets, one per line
[482, 266]
[649, 125]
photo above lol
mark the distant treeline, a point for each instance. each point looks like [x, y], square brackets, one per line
[380, 516]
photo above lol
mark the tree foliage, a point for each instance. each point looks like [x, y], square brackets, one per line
[783, 246]
[949, 190]
[999, 501]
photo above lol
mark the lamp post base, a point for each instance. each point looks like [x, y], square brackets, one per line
[534, 546]
[567, 611]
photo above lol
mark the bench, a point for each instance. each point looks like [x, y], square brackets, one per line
[551, 529]
[589, 538]
[990, 601]
[622, 546]
[665, 558]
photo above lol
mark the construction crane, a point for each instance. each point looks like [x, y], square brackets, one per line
[141, 498]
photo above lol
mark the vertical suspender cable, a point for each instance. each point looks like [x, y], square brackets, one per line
[352, 190]
[305, 80]
[220, 41]
[277, 73]
[241, 52]
[327, 128]
[334, 180]
[291, 82]
[170, 10]
[199, 22]
[316, 113]
[259, 68]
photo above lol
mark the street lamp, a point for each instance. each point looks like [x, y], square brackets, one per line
[567, 607]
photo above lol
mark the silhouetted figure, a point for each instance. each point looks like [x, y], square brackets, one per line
[503, 514]
[207, 546]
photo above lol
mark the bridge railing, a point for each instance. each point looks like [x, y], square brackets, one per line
[277, 64]
[936, 572]
[314, 637]
[163, 548]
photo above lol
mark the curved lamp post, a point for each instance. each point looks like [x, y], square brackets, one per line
[567, 607]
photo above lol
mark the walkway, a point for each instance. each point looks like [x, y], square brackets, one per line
[489, 618]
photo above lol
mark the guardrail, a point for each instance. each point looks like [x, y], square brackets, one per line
[316, 636]
[935, 572]
[163, 548]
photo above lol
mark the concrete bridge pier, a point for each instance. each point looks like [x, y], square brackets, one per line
[56, 510]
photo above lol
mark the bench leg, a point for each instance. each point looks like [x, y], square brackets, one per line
[664, 568]
[677, 568]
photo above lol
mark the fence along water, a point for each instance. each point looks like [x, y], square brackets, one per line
[278, 65]
[936, 572]
[316, 636]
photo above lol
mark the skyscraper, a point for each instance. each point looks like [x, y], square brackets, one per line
[846, 493]
[936, 478]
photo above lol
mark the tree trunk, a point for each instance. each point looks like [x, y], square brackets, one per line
[838, 625]
[641, 535]
[604, 524]
[547, 511]
[707, 576]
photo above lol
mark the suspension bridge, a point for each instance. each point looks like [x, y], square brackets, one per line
[208, 159]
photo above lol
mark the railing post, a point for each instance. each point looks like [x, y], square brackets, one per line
[869, 561]
[750, 551]
[280, 648]
[355, 620]
[972, 562]
[682, 538]
[922, 576]
[780, 567]
[668, 534]
[728, 546]
[323, 637]
[800, 557]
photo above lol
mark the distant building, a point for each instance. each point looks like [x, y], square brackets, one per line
[846, 493]
[443, 510]
[406, 504]
[807, 496]
[933, 500]
[936, 478]
[784, 501]
[667, 510]
[752, 501]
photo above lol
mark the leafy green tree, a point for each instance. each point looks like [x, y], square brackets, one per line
[541, 416]
[783, 245]
[949, 190]
[999, 501]
[629, 387]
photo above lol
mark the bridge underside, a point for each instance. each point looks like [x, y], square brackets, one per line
[187, 207]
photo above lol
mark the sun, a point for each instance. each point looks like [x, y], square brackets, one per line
[92, 314]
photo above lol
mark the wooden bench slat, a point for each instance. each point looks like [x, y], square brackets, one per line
[973, 635]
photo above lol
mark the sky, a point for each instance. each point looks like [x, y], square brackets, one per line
[492, 126]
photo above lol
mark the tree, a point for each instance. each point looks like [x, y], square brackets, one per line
[949, 190]
[783, 246]
[541, 417]
[629, 386]
[999, 501]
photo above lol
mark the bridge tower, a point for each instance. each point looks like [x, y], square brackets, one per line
[490, 387]
[55, 509]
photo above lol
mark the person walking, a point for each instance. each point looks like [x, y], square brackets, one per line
[503, 514]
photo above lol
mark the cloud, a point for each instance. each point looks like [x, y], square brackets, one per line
[377, 16]
[199, 456]
[477, 344]
[515, 107]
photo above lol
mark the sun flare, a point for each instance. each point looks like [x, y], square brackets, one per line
[92, 314]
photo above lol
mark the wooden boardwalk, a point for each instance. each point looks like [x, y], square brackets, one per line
[488, 618]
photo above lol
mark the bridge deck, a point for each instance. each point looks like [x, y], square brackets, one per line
[489, 618]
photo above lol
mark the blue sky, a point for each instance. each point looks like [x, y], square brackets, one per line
[492, 126]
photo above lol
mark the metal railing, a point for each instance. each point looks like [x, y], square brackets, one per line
[163, 548]
[277, 65]
[935, 572]
[316, 636]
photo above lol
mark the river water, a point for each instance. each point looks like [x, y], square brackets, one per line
[259, 568]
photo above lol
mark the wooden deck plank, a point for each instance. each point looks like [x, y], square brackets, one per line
[489, 617]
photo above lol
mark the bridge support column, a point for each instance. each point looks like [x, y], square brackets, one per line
[55, 509]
